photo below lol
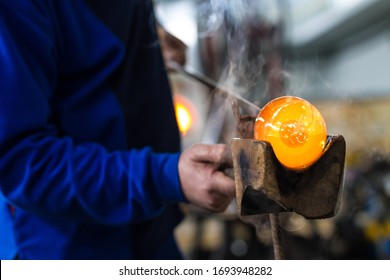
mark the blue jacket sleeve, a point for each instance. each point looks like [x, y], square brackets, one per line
[50, 174]
[8, 248]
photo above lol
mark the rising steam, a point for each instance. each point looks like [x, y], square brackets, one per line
[249, 28]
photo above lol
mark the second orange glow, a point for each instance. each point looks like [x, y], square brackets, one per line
[185, 115]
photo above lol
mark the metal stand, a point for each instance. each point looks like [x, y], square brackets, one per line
[264, 186]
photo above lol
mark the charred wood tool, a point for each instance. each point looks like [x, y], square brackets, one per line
[265, 186]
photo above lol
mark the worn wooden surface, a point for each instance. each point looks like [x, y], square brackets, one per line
[263, 185]
[245, 131]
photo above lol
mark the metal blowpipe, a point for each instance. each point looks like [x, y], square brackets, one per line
[210, 83]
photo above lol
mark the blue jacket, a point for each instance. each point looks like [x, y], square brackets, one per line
[88, 139]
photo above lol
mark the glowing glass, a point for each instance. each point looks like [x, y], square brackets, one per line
[295, 129]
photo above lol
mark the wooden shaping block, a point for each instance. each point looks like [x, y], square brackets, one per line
[264, 185]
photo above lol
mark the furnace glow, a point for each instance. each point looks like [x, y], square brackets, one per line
[184, 113]
[295, 129]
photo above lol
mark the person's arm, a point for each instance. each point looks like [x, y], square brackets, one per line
[46, 172]
[50, 174]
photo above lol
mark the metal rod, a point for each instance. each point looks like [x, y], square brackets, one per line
[276, 236]
[192, 73]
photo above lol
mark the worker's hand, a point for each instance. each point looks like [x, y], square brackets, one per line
[173, 49]
[203, 182]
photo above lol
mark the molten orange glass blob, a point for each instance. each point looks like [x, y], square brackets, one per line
[295, 129]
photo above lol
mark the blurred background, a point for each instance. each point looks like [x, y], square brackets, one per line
[335, 54]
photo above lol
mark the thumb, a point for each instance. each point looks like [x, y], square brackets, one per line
[215, 153]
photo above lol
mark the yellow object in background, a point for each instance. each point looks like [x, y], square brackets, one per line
[295, 129]
[377, 230]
